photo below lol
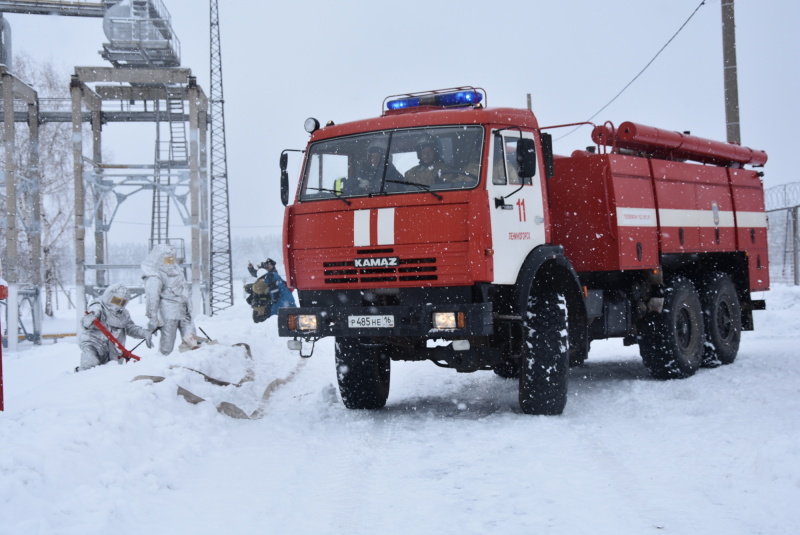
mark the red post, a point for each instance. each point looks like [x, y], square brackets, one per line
[1, 368]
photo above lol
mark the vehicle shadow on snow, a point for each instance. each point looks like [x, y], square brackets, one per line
[483, 394]
[456, 405]
[623, 369]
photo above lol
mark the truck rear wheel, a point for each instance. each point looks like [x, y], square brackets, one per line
[545, 361]
[722, 315]
[671, 342]
[364, 371]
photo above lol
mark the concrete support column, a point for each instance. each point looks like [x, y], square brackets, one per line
[12, 253]
[35, 230]
[195, 195]
[205, 219]
[80, 223]
[731, 79]
[101, 275]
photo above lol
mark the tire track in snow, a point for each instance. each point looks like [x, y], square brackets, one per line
[646, 489]
[352, 457]
[357, 489]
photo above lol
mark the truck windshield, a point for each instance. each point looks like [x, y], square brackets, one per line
[395, 161]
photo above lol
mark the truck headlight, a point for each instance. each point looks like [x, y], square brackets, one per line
[302, 322]
[448, 320]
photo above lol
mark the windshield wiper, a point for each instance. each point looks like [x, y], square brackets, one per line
[422, 186]
[336, 194]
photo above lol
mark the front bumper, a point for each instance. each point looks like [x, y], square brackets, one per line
[409, 321]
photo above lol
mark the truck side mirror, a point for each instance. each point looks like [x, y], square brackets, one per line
[547, 152]
[284, 179]
[526, 157]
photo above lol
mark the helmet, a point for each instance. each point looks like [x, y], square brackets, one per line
[428, 141]
[116, 297]
[268, 262]
[372, 149]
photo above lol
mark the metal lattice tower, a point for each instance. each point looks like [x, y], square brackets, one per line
[221, 278]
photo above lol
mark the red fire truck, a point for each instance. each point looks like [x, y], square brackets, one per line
[448, 231]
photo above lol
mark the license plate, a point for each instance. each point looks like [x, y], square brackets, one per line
[361, 322]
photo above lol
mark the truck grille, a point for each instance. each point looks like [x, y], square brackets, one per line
[408, 270]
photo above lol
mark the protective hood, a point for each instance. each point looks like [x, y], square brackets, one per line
[160, 259]
[116, 297]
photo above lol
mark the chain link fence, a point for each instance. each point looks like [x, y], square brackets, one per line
[783, 208]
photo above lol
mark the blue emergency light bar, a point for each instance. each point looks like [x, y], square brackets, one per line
[443, 100]
[399, 104]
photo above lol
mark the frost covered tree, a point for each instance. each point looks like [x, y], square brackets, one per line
[56, 182]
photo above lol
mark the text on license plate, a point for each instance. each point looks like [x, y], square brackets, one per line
[359, 322]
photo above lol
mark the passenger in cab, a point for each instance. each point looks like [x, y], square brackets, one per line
[430, 167]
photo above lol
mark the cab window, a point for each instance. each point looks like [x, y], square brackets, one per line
[390, 162]
[505, 169]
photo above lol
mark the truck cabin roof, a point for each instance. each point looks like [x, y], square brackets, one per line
[431, 116]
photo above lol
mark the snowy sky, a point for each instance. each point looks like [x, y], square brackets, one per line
[286, 61]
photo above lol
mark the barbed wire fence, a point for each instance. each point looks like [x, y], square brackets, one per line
[783, 210]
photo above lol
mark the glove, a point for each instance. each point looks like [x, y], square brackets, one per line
[87, 320]
[191, 341]
[148, 340]
[152, 325]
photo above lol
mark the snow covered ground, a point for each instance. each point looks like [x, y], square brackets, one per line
[97, 453]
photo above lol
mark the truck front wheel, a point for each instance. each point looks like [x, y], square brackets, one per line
[671, 341]
[364, 371]
[545, 361]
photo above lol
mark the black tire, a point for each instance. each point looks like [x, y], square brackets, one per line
[722, 317]
[364, 373]
[671, 342]
[578, 353]
[545, 362]
[507, 370]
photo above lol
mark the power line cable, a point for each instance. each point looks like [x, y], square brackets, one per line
[640, 72]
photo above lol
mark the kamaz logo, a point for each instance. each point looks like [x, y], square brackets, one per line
[388, 261]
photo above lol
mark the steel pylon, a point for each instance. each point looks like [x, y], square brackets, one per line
[221, 291]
